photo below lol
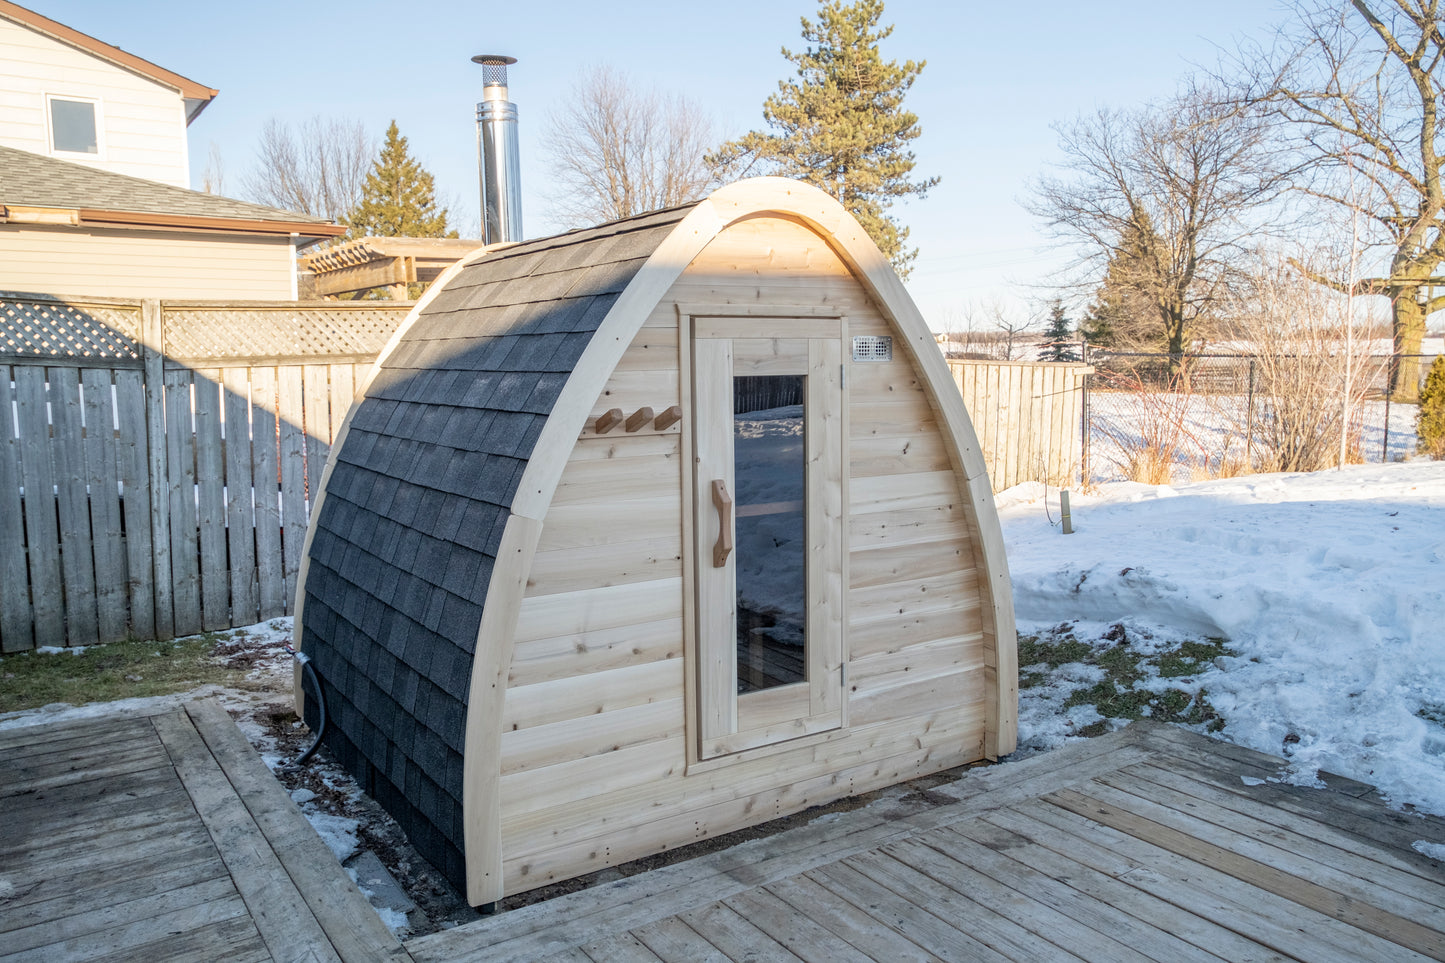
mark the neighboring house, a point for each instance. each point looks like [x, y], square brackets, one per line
[69, 229]
[65, 94]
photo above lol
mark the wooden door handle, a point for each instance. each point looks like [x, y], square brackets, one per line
[724, 503]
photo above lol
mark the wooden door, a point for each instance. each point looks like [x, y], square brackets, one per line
[768, 510]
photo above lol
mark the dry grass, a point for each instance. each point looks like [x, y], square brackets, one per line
[1312, 367]
[1149, 466]
[118, 670]
[1151, 433]
[1227, 465]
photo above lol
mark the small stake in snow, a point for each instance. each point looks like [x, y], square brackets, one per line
[1064, 511]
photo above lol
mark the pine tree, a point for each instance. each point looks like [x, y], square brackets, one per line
[1430, 420]
[398, 198]
[841, 125]
[1126, 314]
[1059, 336]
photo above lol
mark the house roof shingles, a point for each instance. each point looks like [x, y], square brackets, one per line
[34, 180]
[421, 490]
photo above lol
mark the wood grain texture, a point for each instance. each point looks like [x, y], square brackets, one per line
[210, 501]
[17, 632]
[913, 583]
[180, 449]
[486, 699]
[102, 482]
[67, 452]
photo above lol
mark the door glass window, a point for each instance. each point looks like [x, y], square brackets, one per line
[770, 467]
[768, 537]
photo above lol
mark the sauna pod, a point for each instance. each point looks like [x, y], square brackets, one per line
[648, 532]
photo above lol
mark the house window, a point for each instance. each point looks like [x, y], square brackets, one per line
[72, 126]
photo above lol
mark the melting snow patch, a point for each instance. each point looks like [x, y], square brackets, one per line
[1329, 588]
[337, 832]
[396, 922]
[1433, 850]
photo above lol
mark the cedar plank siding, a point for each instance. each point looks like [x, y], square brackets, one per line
[593, 744]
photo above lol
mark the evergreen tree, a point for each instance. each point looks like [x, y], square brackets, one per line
[1127, 313]
[1059, 336]
[1430, 420]
[841, 125]
[398, 198]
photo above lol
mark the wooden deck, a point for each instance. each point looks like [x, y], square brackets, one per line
[164, 838]
[1149, 844]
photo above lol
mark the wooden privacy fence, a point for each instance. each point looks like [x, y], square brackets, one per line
[159, 458]
[1029, 417]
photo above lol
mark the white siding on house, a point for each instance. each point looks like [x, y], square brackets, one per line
[143, 123]
[144, 264]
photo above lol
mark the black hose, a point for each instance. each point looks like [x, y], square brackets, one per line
[308, 671]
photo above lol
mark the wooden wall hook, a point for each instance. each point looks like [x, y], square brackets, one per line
[638, 418]
[668, 418]
[608, 420]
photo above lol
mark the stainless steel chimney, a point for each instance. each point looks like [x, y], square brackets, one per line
[498, 154]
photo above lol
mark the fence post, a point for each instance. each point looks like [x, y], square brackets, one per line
[153, 346]
[1249, 421]
[1084, 479]
[1389, 390]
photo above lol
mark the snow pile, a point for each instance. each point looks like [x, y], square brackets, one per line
[1330, 587]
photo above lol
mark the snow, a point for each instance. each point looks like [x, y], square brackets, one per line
[395, 920]
[1212, 428]
[1433, 850]
[337, 832]
[1329, 587]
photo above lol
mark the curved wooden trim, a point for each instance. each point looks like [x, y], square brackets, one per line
[486, 695]
[767, 195]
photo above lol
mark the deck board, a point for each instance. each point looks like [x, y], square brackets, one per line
[162, 838]
[1152, 843]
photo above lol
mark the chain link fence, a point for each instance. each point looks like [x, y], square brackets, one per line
[1158, 417]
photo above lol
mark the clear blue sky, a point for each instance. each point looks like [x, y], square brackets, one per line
[997, 76]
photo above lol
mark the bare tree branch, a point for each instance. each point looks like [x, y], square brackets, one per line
[318, 170]
[1361, 287]
[1162, 196]
[615, 151]
[1356, 86]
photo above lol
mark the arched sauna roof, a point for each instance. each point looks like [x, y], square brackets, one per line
[438, 483]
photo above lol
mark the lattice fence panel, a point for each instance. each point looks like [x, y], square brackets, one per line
[56, 329]
[240, 333]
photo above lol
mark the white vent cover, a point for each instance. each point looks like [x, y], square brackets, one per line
[873, 347]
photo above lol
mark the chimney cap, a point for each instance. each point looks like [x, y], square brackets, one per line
[494, 68]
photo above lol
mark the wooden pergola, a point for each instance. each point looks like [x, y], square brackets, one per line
[389, 262]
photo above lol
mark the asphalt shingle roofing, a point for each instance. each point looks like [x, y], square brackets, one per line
[418, 497]
[34, 180]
